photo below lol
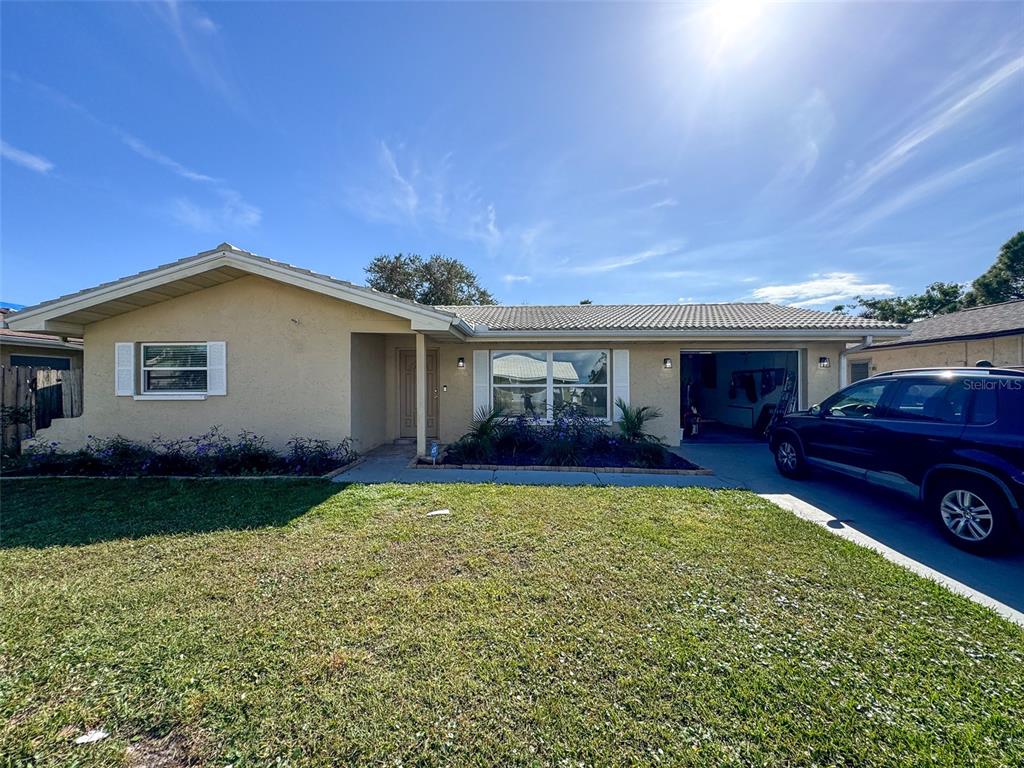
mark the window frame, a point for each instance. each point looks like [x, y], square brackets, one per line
[549, 384]
[146, 392]
[877, 410]
[901, 388]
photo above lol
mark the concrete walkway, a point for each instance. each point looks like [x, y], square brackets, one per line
[390, 464]
[843, 505]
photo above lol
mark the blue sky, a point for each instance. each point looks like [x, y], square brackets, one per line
[624, 153]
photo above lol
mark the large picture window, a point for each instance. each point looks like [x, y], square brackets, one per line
[174, 368]
[538, 383]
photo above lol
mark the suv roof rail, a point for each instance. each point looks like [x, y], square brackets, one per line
[957, 369]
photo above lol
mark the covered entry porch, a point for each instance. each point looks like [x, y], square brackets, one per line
[398, 390]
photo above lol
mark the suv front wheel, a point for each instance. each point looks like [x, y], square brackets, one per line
[972, 513]
[789, 459]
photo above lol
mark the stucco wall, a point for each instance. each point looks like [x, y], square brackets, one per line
[650, 382]
[288, 364]
[1001, 351]
[368, 388]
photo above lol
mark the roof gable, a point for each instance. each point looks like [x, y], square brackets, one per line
[69, 314]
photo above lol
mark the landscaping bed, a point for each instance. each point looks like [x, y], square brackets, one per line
[572, 439]
[212, 454]
[301, 623]
[674, 465]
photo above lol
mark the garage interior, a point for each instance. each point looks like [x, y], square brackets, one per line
[732, 395]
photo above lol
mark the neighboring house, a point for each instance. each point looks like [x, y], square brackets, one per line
[993, 333]
[36, 350]
[233, 339]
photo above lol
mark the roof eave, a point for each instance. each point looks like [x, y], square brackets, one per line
[46, 317]
[949, 339]
[837, 334]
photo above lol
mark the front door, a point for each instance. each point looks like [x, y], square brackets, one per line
[407, 392]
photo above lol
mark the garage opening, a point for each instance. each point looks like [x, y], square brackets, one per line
[732, 395]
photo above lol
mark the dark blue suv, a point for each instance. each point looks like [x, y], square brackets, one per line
[952, 438]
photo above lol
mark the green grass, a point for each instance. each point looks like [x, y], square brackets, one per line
[304, 623]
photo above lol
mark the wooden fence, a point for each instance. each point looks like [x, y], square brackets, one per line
[31, 398]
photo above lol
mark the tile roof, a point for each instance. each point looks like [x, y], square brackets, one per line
[992, 320]
[662, 317]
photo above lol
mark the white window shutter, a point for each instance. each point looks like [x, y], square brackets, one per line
[217, 368]
[620, 379]
[124, 368]
[481, 380]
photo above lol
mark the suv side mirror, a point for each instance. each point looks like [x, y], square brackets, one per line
[815, 410]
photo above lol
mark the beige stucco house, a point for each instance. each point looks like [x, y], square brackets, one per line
[229, 338]
[993, 333]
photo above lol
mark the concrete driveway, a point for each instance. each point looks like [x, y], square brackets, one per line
[891, 519]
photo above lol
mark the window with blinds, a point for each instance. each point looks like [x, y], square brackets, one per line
[180, 367]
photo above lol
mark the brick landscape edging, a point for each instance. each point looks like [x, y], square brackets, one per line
[329, 476]
[417, 464]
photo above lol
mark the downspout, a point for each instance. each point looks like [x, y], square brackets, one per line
[844, 376]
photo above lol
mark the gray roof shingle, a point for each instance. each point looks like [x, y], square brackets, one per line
[661, 317]
[992, 320]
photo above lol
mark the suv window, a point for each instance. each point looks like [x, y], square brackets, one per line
[858, 401]
[985, 407]
[930, 400]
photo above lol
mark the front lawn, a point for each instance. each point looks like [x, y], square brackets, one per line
[305, 623]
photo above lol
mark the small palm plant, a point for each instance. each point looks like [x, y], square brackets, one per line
[647, 450]
[633, 422]
[481, 440]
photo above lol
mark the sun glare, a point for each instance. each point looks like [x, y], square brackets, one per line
[731, 24]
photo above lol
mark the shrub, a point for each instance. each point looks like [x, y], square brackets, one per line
[212, 453]
[571, 437]
[317, 457]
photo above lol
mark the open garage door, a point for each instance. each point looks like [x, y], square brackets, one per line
[732, 395]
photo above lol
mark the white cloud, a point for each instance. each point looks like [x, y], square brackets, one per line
[25, 159]
[940, 119]
[910, 196]
[516, 279]
[205, 24]
[403, 194]
[646, 184]
[200, 46]
[668, 202]
[812, 122]
[400, 189]
[822, 288]
[140, 148]
[618, 262]
[232, 212]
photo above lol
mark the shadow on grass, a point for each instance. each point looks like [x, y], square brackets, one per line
[47, 513]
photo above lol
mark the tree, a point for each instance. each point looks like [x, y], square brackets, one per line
[586, 301]
[1004, 280]
[437, 280]
[398, 274]
[937, 299]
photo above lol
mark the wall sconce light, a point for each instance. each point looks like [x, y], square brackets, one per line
[667, 363]
[461, 363]
[824, 362]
